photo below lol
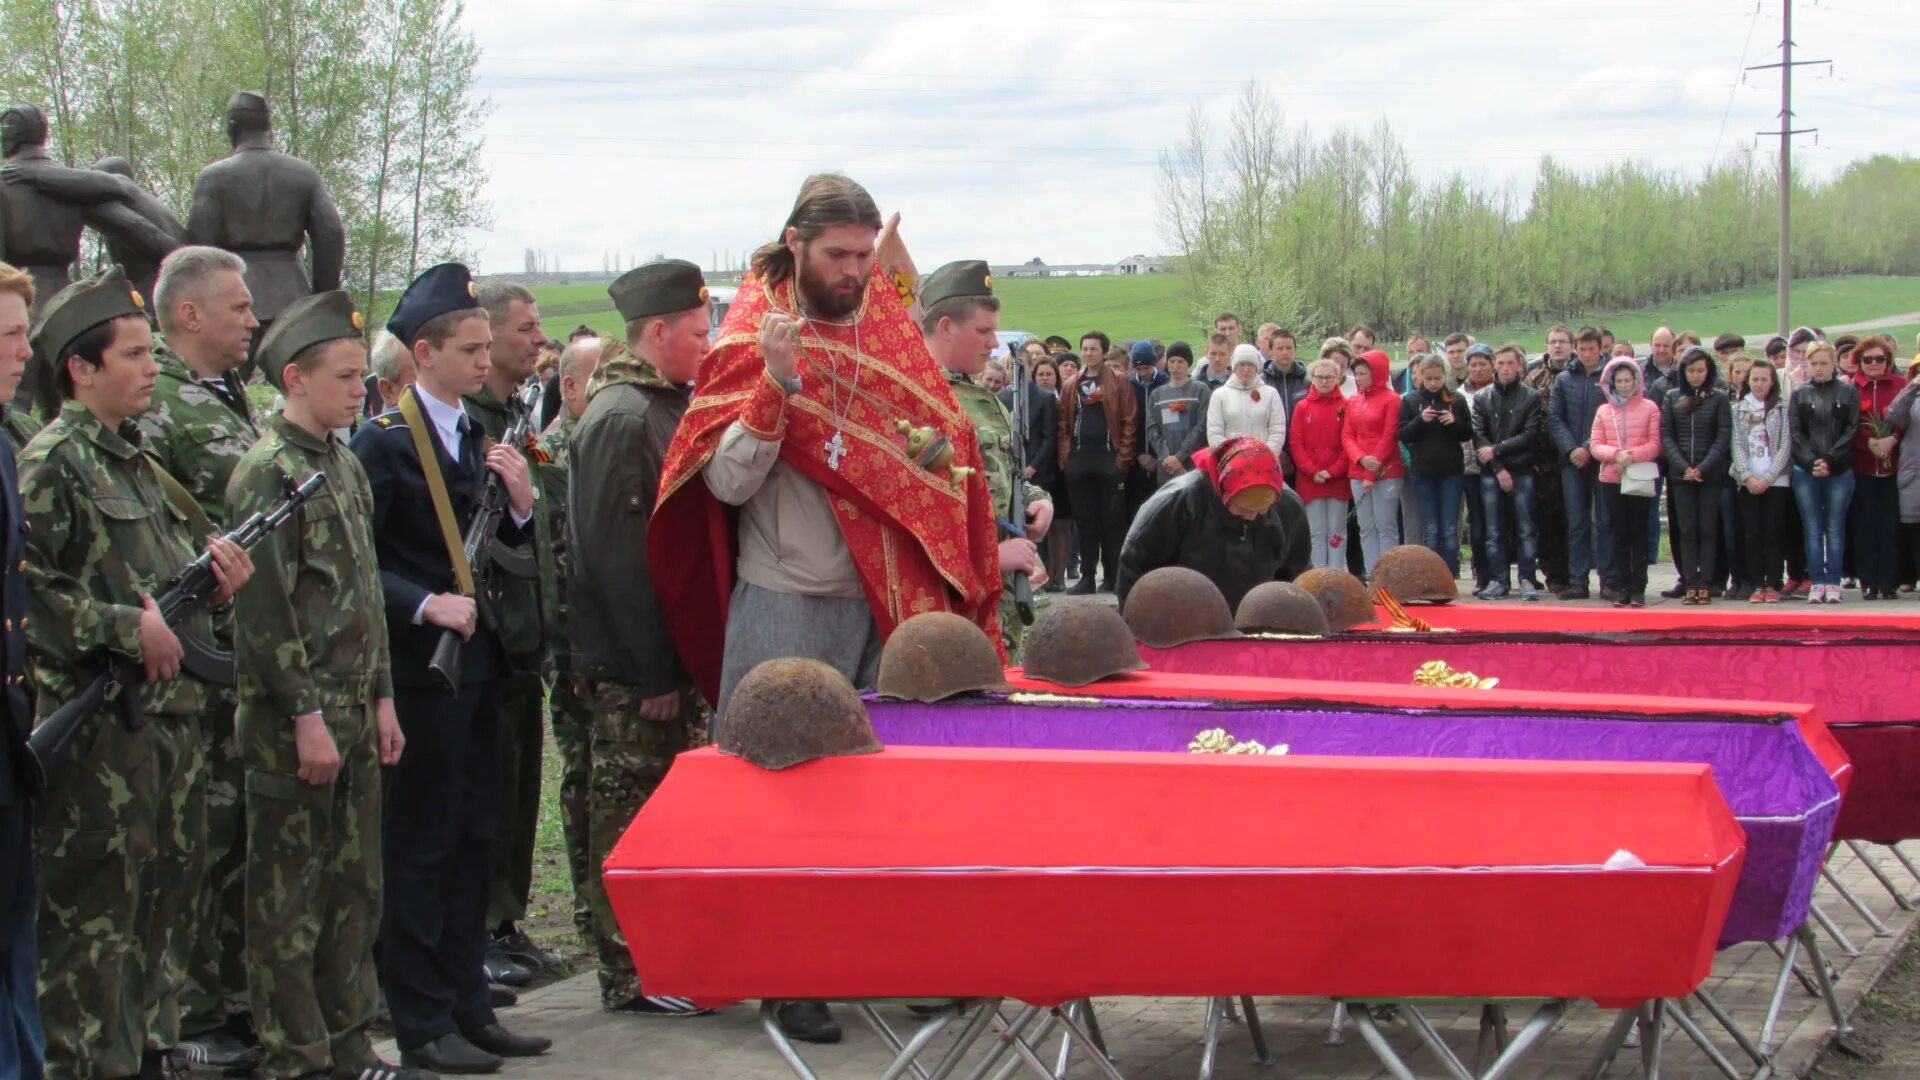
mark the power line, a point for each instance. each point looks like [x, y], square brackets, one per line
[1734, 90]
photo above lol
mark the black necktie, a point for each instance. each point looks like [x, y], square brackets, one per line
[469, 444]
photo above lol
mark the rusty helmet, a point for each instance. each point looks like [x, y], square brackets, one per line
[937, 655]
[789, 711]
[1174, 605]
[1342, 597]
[1413, 574]
[1077, 641]
[1281, 607]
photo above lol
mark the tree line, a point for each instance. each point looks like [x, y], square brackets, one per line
[1316, 231]
[377, 94]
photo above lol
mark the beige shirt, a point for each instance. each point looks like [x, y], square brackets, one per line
[789, 541]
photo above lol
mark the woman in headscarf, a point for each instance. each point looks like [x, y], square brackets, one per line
[1230, 517]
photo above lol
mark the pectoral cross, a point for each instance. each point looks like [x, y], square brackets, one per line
[836, 449]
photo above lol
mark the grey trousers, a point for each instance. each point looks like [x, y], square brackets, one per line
[765, 625]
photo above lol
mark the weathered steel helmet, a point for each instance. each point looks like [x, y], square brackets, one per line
[1341, 595]
[786, 712]
[937, 655]
[1412, 574]
[1280, 607]
[1174, 605]
[1077, 641]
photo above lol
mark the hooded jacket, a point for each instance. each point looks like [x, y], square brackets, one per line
[1373, 430]
[1577, 396]
[1876, 397]
[1631, 425]
[1696, 428]
[1314, 445]
[1122, 411]
[1433, 447]
[1506, 416]
[1187, 523]
[1237, 408]
[1826, 416]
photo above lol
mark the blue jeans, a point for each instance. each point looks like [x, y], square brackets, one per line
[1439, 499]
[1499, 549]
[1823, 518]
[1587, 527]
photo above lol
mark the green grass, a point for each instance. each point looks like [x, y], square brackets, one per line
[1125, 308]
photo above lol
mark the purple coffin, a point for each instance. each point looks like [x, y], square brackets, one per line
[1778, 789]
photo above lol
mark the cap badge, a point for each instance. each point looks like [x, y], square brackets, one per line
[359, 321]
[703, 294]
[987, 281]
[471, 291]
[134, 295]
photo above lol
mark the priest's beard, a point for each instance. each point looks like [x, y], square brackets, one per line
[825, 298]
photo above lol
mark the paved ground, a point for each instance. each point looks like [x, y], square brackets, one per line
[1160, 1039]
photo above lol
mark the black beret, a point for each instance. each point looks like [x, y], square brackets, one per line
[968, 277]
[75, 310]
[309, 321]
[437, 291]
[661, 287]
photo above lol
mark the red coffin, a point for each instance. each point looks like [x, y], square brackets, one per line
[1051, 875]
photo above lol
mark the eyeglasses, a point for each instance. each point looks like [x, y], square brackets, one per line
[1875, 359]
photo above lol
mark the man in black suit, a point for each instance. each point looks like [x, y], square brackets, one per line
[22, 1045]
[440, 809]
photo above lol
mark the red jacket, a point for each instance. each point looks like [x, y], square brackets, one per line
[1875, 396]
[1313, 441]
[1373, 430]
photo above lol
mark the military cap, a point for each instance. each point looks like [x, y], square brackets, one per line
[437, 291]
[309, 321]
[77, 309]
[661, 287]
[1056, 343]
[968, 277]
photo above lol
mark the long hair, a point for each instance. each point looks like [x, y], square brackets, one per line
[1772, 400]
[825, 200]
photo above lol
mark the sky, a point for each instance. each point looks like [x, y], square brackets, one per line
[1014, 129]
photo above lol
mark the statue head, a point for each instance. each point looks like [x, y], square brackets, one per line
[247, 115]
[21, 126]
[116, 165]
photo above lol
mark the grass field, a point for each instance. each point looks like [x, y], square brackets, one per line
[1161, 306]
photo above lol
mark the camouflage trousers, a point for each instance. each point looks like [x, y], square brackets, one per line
[217, 968]
[628, 757]
[122, 854]
[1012, 631]
[572, 734]
[312, 893]
[523, 740]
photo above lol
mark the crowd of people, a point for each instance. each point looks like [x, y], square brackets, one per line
[1784, 469]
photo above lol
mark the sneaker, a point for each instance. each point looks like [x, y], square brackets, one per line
[1619, 599]
[1835, 594]
[1773, 596]
[502, 969]
[1817, 594]
[381, 1070]
[1529, 591]
[1637, 600]
[1759, 596]
[1610, 594]
[218, 1050]
[1496, 590]
[651, 1005]
[1849, 583]
[520, 948]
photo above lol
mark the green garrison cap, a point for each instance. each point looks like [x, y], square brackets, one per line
[75, 310]
[968, 277]
[662, 287]
[309, 321]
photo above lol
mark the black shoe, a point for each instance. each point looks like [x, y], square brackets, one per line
[501, 997]
[651, 1005]
[1679, 590]
[381, 1070]
[451, 1054]
[1638, 599]
[218, 1051]
[1083, 588]
[1610, 594]
[495, 1039]
[808, 1021]
[502, 969]
[520, 948]
[1106, 586]
[1053, 587]
[1572, 592]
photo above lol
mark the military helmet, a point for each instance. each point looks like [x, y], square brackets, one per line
[1174, 605]
[1342, 597]
[789, 711]
[1280, 607]
[1077, 641]
[937, 655]
[1411, 573]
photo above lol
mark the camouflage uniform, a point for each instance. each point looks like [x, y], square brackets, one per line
[20, 426]
[122, 830]
[567, 708]
[522, 699]
[994, 426]
[313, 638]
[198, 429]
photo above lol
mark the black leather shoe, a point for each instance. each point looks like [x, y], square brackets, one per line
[1572, 592]
[808, 1021]
[495, 1039]
[1679, 590]
[501, 997]
[502, 969]
[451, 1054]
[520, 948]
[1083, 588]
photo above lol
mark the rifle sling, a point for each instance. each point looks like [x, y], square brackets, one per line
[182, 501]
[437, 491]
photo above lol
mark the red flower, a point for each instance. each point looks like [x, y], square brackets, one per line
[1179, 406]
[1255, 394]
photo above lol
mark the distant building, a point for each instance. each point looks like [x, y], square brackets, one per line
[1133, 265]
[1140, 264]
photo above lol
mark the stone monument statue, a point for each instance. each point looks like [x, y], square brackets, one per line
[265, 206]
[110, 180]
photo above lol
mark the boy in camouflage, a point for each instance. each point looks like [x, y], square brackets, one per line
[316, 719]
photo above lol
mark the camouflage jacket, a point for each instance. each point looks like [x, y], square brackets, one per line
[195, 434]
[312, 632]
[994, 425]
[101, 532]
[20, 425]
[550, 476]
[521, 610]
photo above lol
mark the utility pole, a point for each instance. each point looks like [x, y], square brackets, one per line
[1786, 132]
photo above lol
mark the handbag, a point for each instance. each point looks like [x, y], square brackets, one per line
[1638, 479]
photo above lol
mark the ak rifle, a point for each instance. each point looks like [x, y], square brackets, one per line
[1017, 505]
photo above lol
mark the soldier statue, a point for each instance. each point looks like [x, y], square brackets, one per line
[264, 206]
[111, 180]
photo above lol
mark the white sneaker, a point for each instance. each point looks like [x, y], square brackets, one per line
[1834, 594]
[1816, 594]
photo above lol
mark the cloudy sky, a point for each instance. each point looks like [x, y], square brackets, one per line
[1007, 129]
